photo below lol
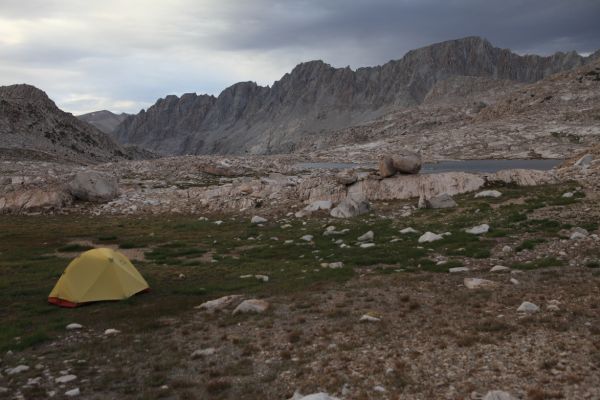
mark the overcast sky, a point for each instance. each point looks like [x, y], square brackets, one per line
[122, 55]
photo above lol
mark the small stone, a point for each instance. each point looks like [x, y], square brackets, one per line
[251, 306]
[567, 195]
[336, 265]
[65, 378]
[528, 307]
[479, 229]
[369, 318]
[204, 352]
[111, 331]
[507, 249]
[428, 237]
[477, 283]
[307, 238]
[498, 395]
[367, 245]
[314, 396]
[379, 389]
[367, 237]
[488, 193]
[408, 230]
[458, 269]
[263, 278]
[72, 392]
[218, 222]
[258, 220]
[552, 307]
[514, 281]
[579, 233]
[17, 370]
[499, 268]
[218, 304]
[73, 326]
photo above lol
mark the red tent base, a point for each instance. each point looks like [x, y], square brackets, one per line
[61, 302]
[68, 304]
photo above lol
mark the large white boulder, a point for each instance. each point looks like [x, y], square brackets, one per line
[351, 206]
[94, 186]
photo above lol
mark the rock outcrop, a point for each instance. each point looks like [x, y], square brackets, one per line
[316, 98]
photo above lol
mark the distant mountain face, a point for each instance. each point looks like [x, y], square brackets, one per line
[104, 120]
[33, 127]
[316, 99]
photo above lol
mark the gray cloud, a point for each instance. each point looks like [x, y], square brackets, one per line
[122, 55]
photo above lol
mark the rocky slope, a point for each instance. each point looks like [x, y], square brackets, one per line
[104, 120]
[33, 127]
[315, 99]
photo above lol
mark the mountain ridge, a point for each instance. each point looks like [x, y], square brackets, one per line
[315, 98]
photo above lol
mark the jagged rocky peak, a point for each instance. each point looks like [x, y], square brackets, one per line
[315, 99]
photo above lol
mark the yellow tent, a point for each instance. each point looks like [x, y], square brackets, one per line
[96, 275]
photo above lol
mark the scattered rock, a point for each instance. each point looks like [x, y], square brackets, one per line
[408, 230]
[578, 233]
[499, 268]
[111, 331]
[17, 370]
[258, 220]
[428, 237]
[367, 237]
[73, 326]
[204, 352]
[369, 318]
[479, 229]
[567, 195]
[367, 245]
[514, 281]
[528, 307]
[507, 249]
[314, 396]
[263, 278]
[379, 389]
[477, 283]
[443, 200]
[498, 395]
[72, 392]
[65, 378]
[252, 306]
[488, 193]
[334, 265]
[218, 304]
[458, 269]
[307, 238]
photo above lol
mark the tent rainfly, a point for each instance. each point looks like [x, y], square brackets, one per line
[97, 275]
